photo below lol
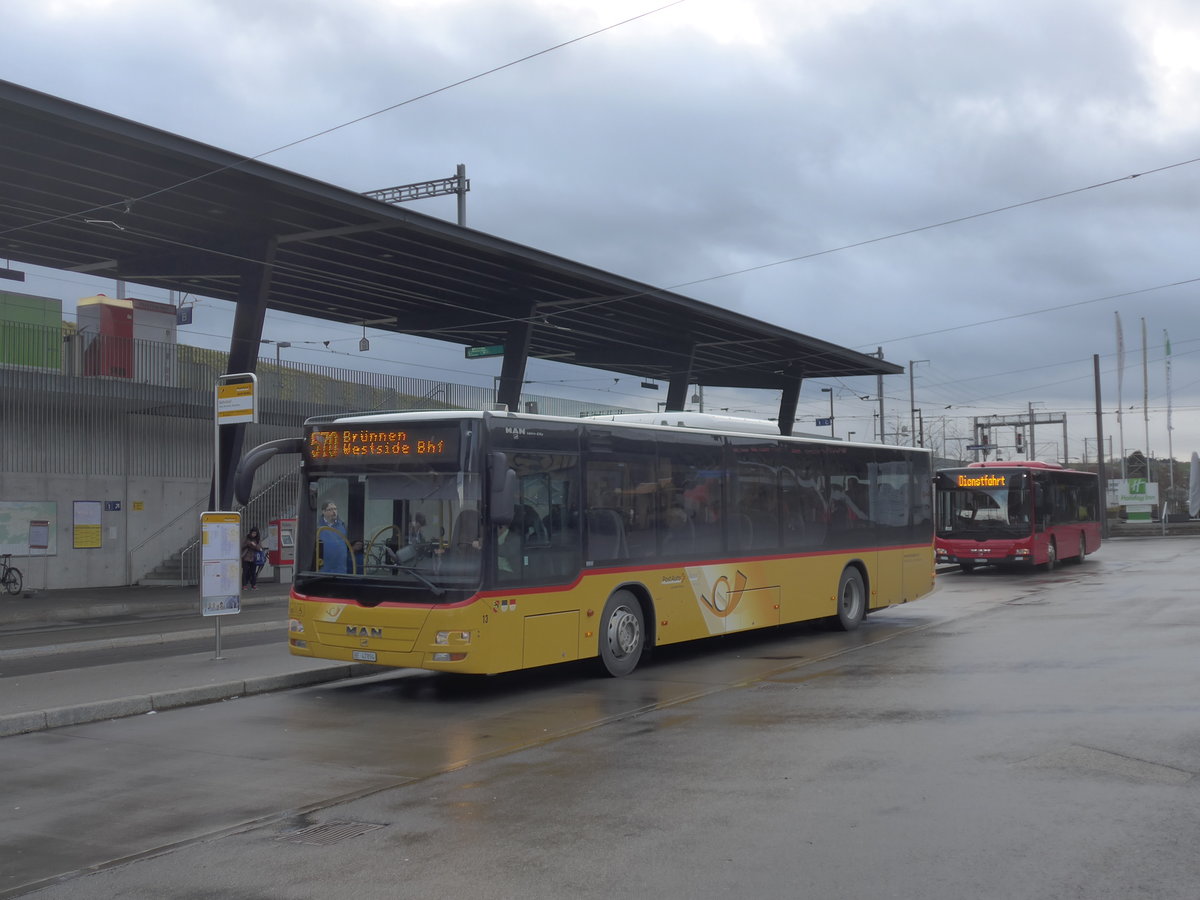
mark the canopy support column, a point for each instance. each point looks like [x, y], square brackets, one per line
[677, 388]
[677, 393]
[253, 290]
[787, 405]
[516, 355]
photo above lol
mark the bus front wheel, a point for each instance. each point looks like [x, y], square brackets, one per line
[1051, 555]
[851, 600]
[622, 634]
[1082, 548]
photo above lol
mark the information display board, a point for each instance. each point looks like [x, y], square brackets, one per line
[220, 563]
[337, 445]
[236, 403]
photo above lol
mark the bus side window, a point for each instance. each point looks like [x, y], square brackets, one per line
[1043, 502]
[606, 534]
[754, 491]
[619, 518]
[546, 517]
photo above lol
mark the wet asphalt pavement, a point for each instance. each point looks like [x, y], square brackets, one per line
[1010, 736]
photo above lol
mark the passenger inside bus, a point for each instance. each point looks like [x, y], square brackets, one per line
[605, 534]
[844, 511]
[465, 533]
[509, 542]
[679, 534]
[416, 529]
[335, 550]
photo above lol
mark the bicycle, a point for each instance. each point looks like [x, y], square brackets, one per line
[11, 577]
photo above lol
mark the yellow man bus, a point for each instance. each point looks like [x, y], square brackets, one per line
[485, 542]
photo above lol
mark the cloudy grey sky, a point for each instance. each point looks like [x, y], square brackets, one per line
[802, 150]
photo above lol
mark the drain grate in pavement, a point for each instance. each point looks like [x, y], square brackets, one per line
[328, 833]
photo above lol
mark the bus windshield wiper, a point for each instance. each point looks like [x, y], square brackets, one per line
[435, 589]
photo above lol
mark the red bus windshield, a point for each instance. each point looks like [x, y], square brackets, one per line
[984, 503]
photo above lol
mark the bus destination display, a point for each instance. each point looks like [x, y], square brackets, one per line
[348, 445]
[976, 481]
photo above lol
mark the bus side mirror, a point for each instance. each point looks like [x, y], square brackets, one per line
[503, 488]
[243, 476]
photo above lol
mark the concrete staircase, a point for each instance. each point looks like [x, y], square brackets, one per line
[168, 573]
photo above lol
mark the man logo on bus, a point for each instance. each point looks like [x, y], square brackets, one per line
[724, 601]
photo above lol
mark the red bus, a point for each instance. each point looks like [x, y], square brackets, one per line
[1017, 514]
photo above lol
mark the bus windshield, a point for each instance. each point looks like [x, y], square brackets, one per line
[404, 536]
[984, 504]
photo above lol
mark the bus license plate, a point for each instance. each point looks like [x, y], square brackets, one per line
[364, 655]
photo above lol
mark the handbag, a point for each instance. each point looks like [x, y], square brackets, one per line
[260, 558]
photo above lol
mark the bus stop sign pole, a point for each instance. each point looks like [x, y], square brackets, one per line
[235, 400]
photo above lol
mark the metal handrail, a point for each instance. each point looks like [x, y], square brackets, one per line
[191, 510]
[189, 555]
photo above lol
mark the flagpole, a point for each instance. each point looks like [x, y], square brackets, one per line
[1146, 397]
[1170, 426]
[1120, 379]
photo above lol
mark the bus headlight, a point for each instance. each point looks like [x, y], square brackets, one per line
[295, 626]
[448, 637]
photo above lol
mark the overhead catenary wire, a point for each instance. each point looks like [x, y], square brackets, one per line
[817, 253]
[125, 202]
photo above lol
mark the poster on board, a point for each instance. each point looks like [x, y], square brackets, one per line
[85, 525]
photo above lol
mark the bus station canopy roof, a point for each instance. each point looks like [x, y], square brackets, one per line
[86, 191]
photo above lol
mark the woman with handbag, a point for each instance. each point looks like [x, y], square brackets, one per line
[251, 549]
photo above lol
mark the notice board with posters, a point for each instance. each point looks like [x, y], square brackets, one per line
[220, 563]
[22, 529]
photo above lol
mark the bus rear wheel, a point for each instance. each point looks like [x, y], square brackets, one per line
[851, 600]
[622, 634]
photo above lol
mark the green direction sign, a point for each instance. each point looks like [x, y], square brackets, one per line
[481, 352]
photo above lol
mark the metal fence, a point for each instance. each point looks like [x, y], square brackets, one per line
[83, 405]
[132, 404]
